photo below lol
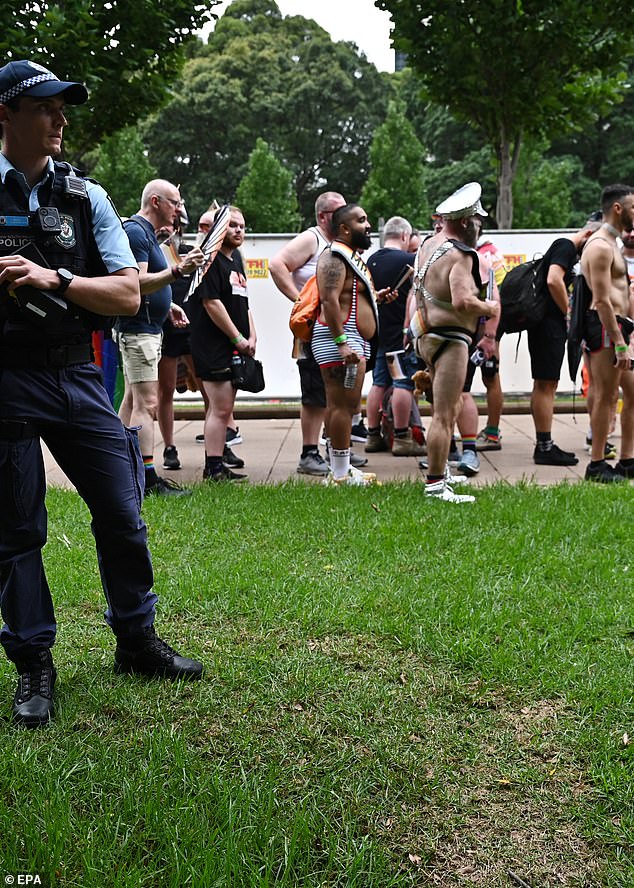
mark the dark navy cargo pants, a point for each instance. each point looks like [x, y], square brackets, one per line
[68, 408]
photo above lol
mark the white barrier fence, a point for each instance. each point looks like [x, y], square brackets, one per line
[271, 312]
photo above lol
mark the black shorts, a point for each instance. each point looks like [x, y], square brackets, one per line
[312, 384]
[175, 342]
[214, 366]
[546, 346]
[487, 372]
[595, 336]
[208, 374]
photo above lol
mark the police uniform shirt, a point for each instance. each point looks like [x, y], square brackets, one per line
[108, 231]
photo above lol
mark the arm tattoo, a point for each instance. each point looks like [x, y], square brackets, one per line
[331, 271]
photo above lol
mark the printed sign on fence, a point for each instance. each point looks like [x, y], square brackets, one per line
[257, 268]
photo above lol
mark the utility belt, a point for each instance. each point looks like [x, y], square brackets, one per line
[38, 356]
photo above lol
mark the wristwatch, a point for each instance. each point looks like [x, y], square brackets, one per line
[65, 277]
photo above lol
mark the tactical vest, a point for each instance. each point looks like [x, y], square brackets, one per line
[74, 248]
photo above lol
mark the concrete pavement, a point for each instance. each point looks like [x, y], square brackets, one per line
[272, 447]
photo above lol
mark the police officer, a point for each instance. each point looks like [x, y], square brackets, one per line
[65, 268]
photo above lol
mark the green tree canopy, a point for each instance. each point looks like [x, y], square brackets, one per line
[266, 195]
[126, 52]
[123, 169]
[551, 191]
[395, 184]
[315, 102]
[516, 68]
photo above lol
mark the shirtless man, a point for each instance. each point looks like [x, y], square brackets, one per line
[450, 299]
[341, 337]
[607, 332]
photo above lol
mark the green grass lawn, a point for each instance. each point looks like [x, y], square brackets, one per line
[397, 692]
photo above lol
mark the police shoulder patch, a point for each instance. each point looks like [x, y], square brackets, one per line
[66, 238]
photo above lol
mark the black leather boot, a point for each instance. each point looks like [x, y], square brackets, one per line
[147, 654]
[33, 701]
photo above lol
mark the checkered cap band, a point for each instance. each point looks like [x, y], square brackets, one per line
[26, 84]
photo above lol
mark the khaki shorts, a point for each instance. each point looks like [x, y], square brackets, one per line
[140, 354]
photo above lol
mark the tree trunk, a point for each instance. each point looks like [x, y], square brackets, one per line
[508, 158]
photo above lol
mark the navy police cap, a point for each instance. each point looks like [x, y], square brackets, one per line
[24, 78]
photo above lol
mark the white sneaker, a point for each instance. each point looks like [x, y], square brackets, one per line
[423, 465]
[454, 479]
[354, 478]
[442, 491]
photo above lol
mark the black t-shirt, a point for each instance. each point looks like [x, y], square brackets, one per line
[387, 266]
[226, 282]
[561, 252]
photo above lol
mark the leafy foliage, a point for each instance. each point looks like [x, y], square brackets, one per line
[315, 102]
[126, 51]
[516, 69]
[266, 194]
[395, 184]
[551, 192]
[123, 169]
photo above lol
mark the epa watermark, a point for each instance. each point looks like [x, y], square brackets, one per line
[23, 879]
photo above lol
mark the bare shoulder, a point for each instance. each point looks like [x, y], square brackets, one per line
[597, 253]
[597, 246]
[330, 268]
[298, 251]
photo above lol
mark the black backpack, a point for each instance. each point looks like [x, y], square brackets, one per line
[579, 304]
[523, 297]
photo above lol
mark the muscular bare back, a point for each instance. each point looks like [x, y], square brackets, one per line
[449, 280]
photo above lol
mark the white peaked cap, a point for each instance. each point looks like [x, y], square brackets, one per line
[463, 202]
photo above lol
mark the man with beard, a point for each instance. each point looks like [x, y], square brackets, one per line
[342, 335]
[450, 302]
[607, 331]
[290, 269]
[222, 324]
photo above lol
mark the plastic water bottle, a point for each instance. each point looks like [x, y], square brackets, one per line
[351, 376]
[236, 367]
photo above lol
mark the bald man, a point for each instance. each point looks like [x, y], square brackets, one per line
[139, 337]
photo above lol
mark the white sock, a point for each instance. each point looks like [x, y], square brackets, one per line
[340, 462]
[356, 419]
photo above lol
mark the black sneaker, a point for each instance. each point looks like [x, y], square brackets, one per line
[554, 456]
[602, 473]
[148, 654]
[163, 487]
[170, 458]
[33, 700]
[610, 451]
[225, 474]
[624, 471]
[200, 439]
[359, 432]
[233, 436]
[230, 459]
